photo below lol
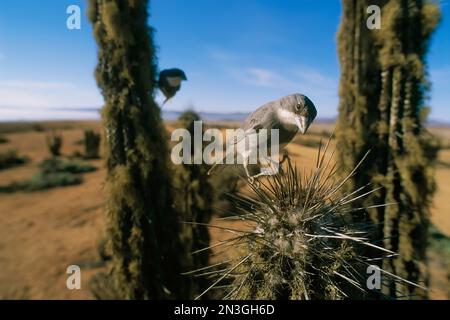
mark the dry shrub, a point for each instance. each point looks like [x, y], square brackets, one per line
[11, 159]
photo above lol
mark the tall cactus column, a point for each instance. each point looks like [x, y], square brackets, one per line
[359, 90]
[143, 229]
[409, 175]
[382, 89]
[195, 201]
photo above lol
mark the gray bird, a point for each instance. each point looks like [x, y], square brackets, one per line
[169, 82]
[289, 115]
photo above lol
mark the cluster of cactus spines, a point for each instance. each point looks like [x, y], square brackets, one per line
[91, 144]
[143, 227]
[194, 202]
[301, 241]
[382, 88]
[54, 143]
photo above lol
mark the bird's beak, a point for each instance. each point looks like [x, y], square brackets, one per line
[302, 124]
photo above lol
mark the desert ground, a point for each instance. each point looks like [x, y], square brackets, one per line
[43, 232]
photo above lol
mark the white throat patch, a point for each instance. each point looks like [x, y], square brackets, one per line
[287, 117]
[174, 81]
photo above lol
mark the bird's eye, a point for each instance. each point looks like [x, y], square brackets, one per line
[297, 107]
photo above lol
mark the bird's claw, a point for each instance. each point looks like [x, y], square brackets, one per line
[285, 157]
[254, 181]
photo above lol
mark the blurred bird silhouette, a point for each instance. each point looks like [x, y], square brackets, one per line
[289, 115]
[169, 82]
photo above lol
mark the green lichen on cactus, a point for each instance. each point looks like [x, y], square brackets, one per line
[142, 224]
[382, 107]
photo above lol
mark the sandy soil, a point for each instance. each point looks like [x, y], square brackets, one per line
[42, 233]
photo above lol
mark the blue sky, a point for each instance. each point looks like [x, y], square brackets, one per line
[237, 55]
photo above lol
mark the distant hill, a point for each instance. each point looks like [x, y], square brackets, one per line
[208, 116]
[438, 123]
[93, 113]
[232, 116]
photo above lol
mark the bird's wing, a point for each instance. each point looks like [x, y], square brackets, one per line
[261, 118]
[237, 138]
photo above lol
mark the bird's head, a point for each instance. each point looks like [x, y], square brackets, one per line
[297, 109]
[169, 81]
[172, 77]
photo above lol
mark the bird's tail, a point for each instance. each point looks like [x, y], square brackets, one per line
[164, 102]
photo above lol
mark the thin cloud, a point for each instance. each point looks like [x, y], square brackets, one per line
[221, 55]
[27, 114]
[307, 78]
[440, 75]
[42, 94]
[26, 84]
[260, 77]
[314, 77]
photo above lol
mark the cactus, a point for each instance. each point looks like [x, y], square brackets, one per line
[142, 225]
[300, 242]
[54, 143]
[194, 201]
[91, 144]
[382, 88]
